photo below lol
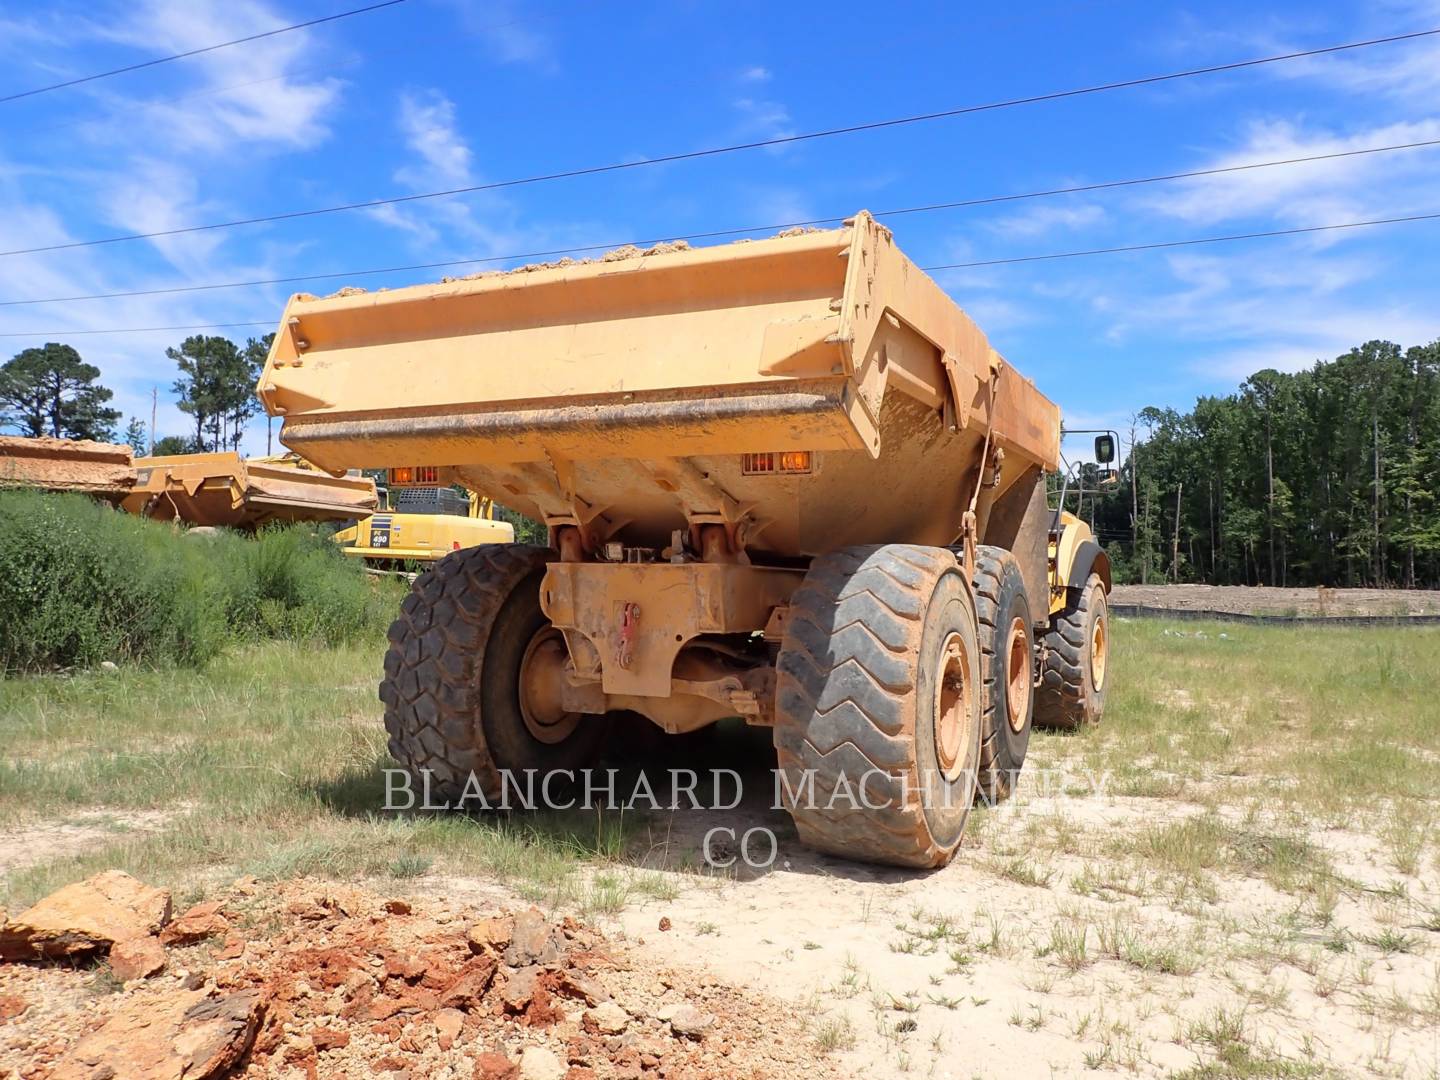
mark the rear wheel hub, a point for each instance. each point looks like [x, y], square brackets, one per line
[1018, 682]
[953, 719]
[542, 676]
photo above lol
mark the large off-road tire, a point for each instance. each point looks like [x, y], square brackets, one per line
[1073, 676]
[1007, 666]
[468, 633]
[877, 705]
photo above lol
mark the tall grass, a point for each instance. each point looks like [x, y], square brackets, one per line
[81, 583]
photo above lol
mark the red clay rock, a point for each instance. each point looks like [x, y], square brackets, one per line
[575, 984]
[448, 1023]
[404, 967]
[329, 1039]
[86, 917]
[493, 1066]
[200, 922]
[184, 1036]
[11, 1006]
[474, 979]
[491, 934]
[137, 958]
[665, 922]
[397, 907]
[519, 988]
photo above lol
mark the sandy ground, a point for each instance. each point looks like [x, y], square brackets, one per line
[957, 973]
[1241, 599]
[344, 981]
[39, 841]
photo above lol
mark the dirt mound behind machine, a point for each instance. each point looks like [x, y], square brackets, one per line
[787, 480]
[101, 470]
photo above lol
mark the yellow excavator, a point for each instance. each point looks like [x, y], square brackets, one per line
[422, 521]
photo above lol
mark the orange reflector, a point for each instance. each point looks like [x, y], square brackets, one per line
[415, 474]
[788, 461]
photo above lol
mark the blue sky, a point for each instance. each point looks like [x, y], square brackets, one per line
[437, 94]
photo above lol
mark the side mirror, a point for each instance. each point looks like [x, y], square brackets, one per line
[1104, 449]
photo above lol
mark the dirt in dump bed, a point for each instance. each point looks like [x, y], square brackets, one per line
[307, 979]
[1261, 600]
[628, 251]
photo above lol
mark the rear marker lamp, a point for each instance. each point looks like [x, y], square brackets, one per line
[415, 474]
[793, 462]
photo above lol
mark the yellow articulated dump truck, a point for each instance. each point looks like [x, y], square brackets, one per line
[423, 523]
[244, 493]
[787, 480]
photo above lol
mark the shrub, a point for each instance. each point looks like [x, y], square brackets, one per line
[81, 583]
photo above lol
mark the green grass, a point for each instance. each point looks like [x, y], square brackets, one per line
[1325, 723]
[269, 762]
[81, 584]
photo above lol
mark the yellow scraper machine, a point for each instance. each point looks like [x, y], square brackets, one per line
[787, 480]
[423, 522]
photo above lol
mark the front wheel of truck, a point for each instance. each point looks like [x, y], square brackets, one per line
[878, 705]
[472, 677]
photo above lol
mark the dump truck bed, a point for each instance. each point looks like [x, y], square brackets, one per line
[101, 470]
[225, 489]
[635, 394]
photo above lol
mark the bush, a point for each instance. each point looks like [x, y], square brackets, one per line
[81, 583]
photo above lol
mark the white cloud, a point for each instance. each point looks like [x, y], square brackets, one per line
[761, 120]
[1043, 218]
[427, 123]
[483, 224]
[1406, 73]
[1314, 193]
[755, 74]
[250, 93]
[509, 32]
[147, 166]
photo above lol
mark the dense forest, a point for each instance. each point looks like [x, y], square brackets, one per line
[1329, 476]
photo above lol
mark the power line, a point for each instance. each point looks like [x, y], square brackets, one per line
[1184, 243]
[947, 266]
[137, 329]
[426, 41]
[716, 151]
[196, 52]
[716, 233]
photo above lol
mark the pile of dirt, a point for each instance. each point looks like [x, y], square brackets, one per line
[101, 470]
[1266, 600]
[628, 251]
[303, 979]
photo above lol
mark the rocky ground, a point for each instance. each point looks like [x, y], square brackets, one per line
[302, 979]
[1244, 600]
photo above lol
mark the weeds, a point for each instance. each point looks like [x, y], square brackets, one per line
[81, 583]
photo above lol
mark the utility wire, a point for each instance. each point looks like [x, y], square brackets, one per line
[717, 233]
[114, 110]
[1184, 243]
[715, 151]
[137, 329]
[196, 52]
[946, 266]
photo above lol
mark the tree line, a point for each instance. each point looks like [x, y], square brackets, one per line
[1328, 476]
[50, 390]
